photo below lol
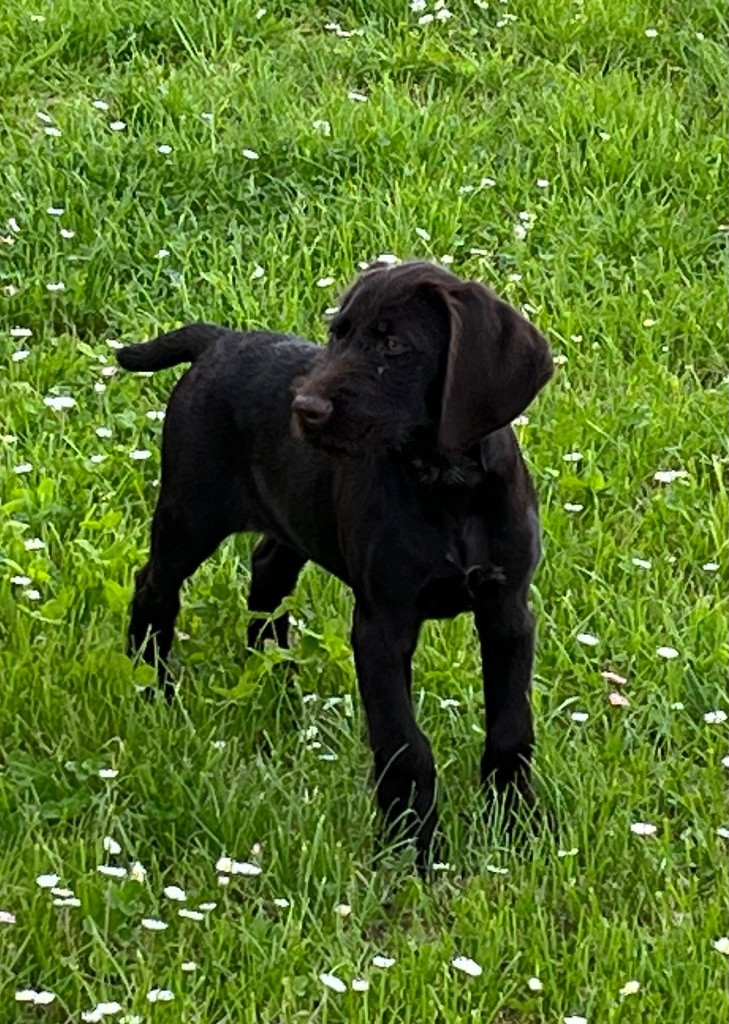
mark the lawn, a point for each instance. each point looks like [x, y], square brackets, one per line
[164, 162]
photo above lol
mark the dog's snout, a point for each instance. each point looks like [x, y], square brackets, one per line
[312, 410]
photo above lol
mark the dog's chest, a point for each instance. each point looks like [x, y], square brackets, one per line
[451, 492]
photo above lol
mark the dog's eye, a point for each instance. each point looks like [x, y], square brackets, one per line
[393, 346]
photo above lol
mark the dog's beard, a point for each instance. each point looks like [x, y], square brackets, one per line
[346, 438]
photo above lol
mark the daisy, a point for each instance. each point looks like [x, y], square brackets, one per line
[468, 966]
[333, 982]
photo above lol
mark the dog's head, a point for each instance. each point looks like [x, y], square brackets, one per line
[413, 348]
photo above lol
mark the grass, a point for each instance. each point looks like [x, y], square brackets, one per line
[623, 269]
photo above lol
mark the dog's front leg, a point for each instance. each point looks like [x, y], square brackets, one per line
[506, 632]
[383, 642]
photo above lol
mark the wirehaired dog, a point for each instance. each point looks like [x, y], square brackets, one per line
[387, 457]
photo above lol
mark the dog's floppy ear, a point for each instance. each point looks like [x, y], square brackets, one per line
[497, 363]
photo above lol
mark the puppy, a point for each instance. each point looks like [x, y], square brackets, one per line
[386, 457]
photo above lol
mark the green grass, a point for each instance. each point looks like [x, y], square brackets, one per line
[623, 269]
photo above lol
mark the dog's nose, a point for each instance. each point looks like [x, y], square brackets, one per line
[312, 410]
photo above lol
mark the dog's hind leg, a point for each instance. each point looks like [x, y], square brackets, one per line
[275, 568]
[181, 541]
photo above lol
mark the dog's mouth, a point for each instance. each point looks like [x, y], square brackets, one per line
[330, 437]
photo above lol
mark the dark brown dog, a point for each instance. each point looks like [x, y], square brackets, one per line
[387, 458]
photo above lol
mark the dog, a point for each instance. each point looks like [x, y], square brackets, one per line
[388, 458]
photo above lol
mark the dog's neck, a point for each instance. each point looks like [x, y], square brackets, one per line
[464, 470]
[434, 468]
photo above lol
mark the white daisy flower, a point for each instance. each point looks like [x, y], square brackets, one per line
[140, 454]
[630, 988]
[324, 127]
[191, 915]
[618, 700]
[33, 595]
[468, 966]
[26, 995]
[242, 867]
[575, 1019]
[651, 33]
[587, 639]
[333, 982]
[164, 149]
[715, 717]
[55, 133]
[110, 845]
[722, 945]
[108, 773]
[642, 563]
[118, 126]
[357, 97]
[33, 544]
[103, 432]
[710, 566]
[59, 402]
[174, 892]
[20, 332]
[250, 154]
[7, 917]
[579, 716]
[667, 652]
[667, 476]
[573, 457]
[67, 233]
[111, 871]
[570, 506]
[160, 995]
[47, 881]
[534, 985]
[613, 677]
[188, 966]
[100, 104]
[23, 467]
[343, 909]
[643, 828]
[21, 581]
[153, 924]
[383, 961]
[55, 286]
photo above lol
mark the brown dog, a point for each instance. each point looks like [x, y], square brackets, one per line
[387, 458]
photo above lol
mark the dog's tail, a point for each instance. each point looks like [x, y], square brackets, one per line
[184, 345]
